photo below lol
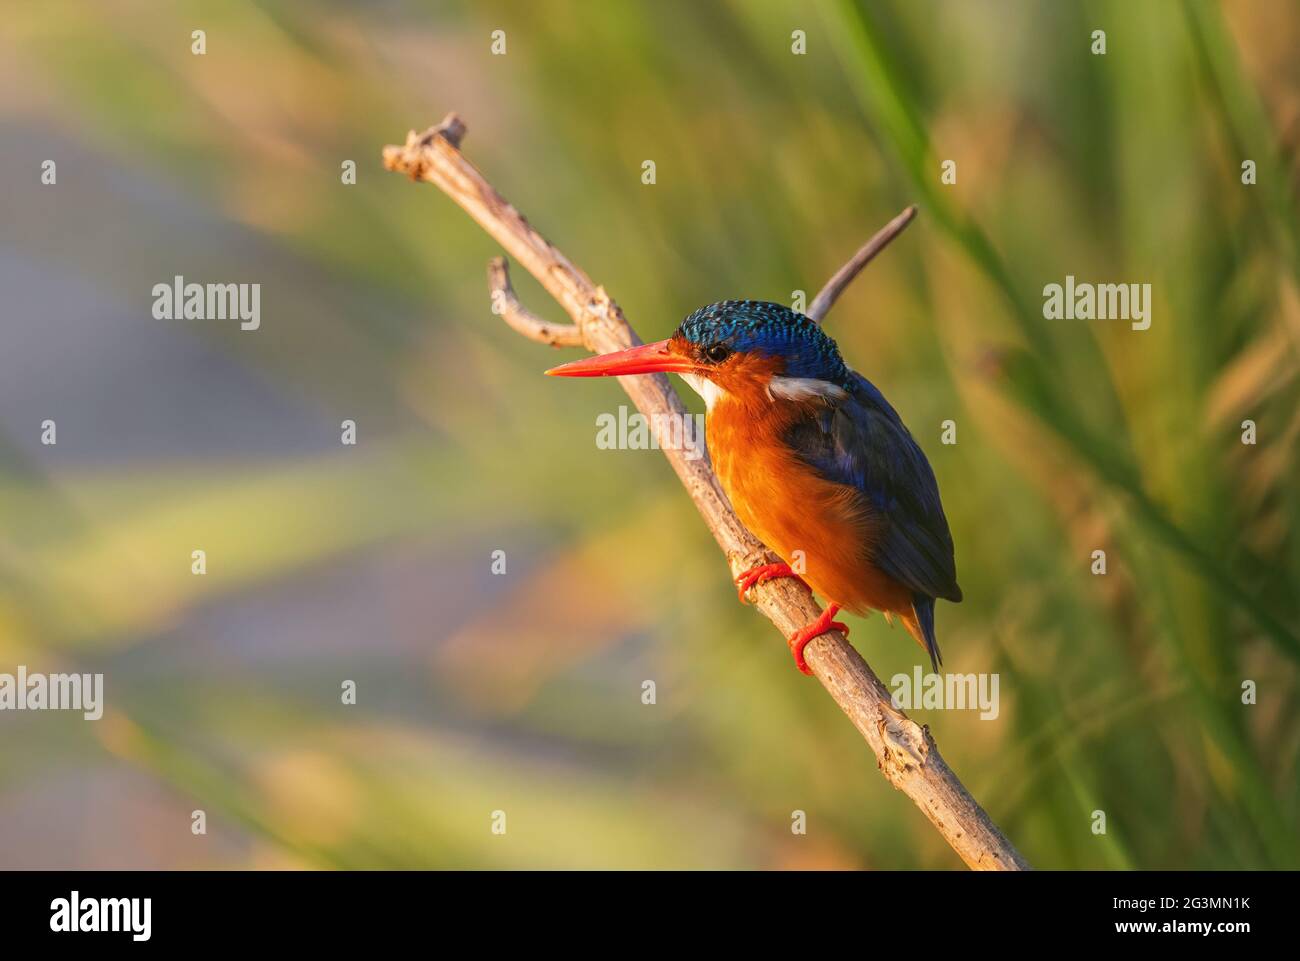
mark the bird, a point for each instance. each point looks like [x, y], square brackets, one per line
[815, 461]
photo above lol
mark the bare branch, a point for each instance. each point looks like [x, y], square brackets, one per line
[519, 317]
[452, 129]
[905, 751]
[830, 293]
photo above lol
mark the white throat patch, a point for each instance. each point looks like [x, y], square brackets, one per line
[706, 388]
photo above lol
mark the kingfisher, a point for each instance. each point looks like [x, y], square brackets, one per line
[816, 463]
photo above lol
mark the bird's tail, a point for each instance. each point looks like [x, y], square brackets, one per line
[921, 626]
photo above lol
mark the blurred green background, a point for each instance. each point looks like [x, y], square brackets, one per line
[522, 693]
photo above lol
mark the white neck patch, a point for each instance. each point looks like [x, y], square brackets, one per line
[804, 388]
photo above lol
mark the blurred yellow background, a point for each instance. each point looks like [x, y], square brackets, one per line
[522, 693]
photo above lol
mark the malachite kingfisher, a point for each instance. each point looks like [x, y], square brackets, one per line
[816, 462]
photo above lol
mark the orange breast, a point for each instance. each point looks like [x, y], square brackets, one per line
[794, 511]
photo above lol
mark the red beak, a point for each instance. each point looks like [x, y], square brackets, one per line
[649, 359]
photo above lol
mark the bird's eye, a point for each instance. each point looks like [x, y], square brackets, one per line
[717, 352]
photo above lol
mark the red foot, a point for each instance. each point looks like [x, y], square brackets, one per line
[764, 572]
[818, 627]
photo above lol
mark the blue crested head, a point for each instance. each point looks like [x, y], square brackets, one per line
[755, 327]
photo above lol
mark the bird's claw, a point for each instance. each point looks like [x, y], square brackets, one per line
[763, 572]
[824, 624]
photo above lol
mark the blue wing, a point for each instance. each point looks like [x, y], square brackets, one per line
[861, 442]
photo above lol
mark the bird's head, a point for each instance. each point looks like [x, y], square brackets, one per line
[746, 349]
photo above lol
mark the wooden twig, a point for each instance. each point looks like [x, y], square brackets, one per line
[905, 751]
[830, 293]
[519, 317]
